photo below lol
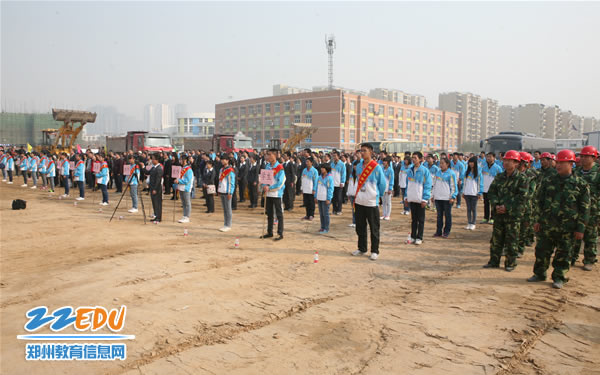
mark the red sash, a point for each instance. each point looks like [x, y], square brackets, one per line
[104, 165]
[225, 173]
[135, 168]
[369, 168]
[79, 163]
[277, 169]
[183, 172]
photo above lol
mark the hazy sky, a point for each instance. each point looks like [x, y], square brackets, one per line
[128, 54]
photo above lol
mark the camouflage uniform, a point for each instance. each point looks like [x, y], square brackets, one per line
[562, 208]
[590, 235]
[526, 230]
[510, 191]
[545, 173]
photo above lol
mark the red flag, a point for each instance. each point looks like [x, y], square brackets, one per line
[78, 149]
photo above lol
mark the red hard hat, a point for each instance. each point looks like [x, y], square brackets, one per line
[546, 155]
[565, 155]
[589, 151]
[552, 156]
[512, 155]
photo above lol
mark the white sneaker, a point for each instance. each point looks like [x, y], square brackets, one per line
[24, 185]
[374, 256]
[410, 241]
[10, 182]
[225, 229]
[352, 225]
[357, 253]
[79, 199]
[184, 220]
[387, 218]
[468, 227]
[472, 226]
[406, 213]
[105, 204]
[132, 210]
[418, 241]
[4, 180]
[34, 187]
[381, 218]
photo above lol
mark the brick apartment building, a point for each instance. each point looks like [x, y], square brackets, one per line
[343, 120]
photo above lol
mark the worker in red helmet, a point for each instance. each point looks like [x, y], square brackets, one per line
[590, 172]
[547, 168]
[507, 195]
[531, 175]
[562, 211]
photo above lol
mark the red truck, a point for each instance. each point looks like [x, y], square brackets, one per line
[221, 143]
[140, 141]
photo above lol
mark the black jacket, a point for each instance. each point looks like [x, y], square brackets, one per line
[243, 172]
[209, 177]
[156, 175]
[253, 174]
[290, 172]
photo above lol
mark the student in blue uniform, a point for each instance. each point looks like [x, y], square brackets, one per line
[102, 178]
[23, 167]
[133, 180]
[323, 193]
[472, 191]
[444, 193]
[418, 193]
[388, 173]
[64, 172]
[79, 176]
[309, 182]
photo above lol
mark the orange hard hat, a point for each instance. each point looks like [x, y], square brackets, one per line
[565, 155]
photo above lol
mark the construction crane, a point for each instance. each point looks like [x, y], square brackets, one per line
[67, 133]
[301, 132]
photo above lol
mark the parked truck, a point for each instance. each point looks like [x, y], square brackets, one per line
[140, 141]
[220, 143]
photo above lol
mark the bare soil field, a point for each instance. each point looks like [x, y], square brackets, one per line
[198, 305]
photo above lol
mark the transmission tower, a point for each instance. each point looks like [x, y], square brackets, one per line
[330, 45]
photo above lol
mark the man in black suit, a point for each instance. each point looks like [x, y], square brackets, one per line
[290, 178]
[242, 178]
[156, 175]
[252, 178]
[346, 161]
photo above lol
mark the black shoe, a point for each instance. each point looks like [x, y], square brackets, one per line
[558, 284]
[207, 212]
[268, 235]
[519, 255]
[535, 279]
[172, 198]
[489, 265]
[509, 268]
[573, 261]
[279, 238]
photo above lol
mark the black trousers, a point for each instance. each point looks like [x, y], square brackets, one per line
[168, 184]
[89, 178]
[157, 203]
[336, 202]
[210, 202]
[309, 204]
[417, 214]
[345, 193]
[242, 190]
[119, 183]
[274, 206]
[253, 194]
[234, 199]
[364, 215]
[288, 197]
[486, 206]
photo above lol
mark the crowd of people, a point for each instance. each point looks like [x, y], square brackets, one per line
[547, 199]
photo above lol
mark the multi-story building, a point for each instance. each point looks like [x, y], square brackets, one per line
[469, 107]
[343, 120]
[590, 124]
[506, 118]
[197, 124]
[398, 96]
[280, 89]
[489, 118]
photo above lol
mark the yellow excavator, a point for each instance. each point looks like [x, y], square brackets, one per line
[301, 132]
[68, 132]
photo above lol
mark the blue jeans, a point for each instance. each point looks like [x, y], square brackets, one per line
[459, 195]
[133, 193]
[186, 203]
[226, 202]
[66, 181]
[104, 193]
[444, 211]
[324, 214]
[81, 186]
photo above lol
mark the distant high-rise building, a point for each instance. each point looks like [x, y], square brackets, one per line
[280, 89]
[506, 118]
[398, 96]
[489, 118]
[469, 107]
[158, 117]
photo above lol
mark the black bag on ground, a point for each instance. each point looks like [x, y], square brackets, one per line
[19, 204]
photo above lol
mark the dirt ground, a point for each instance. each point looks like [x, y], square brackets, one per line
[197, 305]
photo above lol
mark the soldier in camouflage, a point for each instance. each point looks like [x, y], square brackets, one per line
[547, 169]
[526, 230]
[562, 208]
[590, 172]
[507, 195]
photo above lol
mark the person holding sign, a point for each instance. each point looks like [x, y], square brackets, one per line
[309, 181]
[226, 189]
[185, 182]
[208, 184]
[370, 187]
[273, 188]
[102, 177]
[133, 178]
[79, 176]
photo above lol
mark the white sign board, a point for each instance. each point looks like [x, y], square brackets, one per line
[96, 167]
[126, 169]
[266, 177]
[72, 165]
[175, 171]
